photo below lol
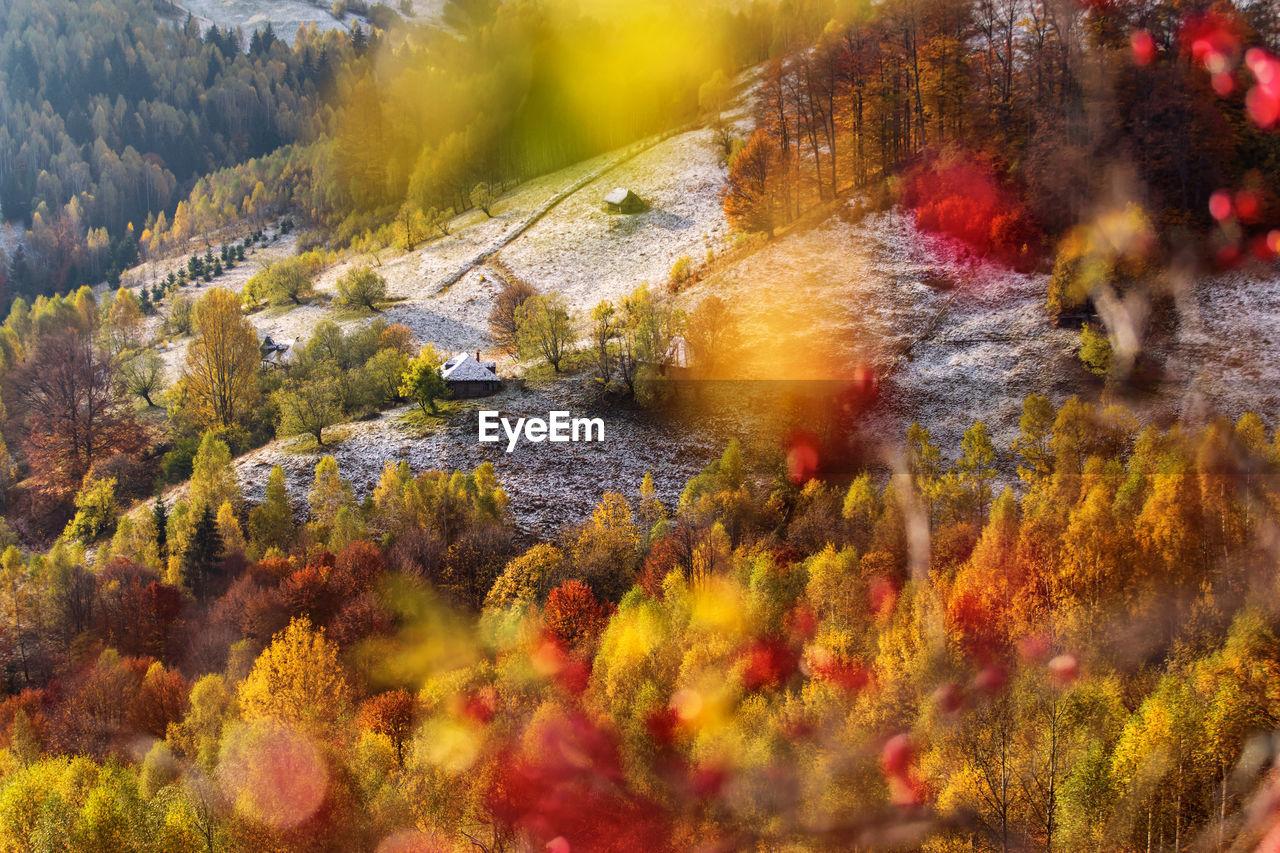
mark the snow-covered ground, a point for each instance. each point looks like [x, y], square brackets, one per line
[285, 16]
[950, 339]
[551, 485]
[589, 255]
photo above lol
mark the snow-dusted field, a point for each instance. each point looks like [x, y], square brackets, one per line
[551, 486]
[950, 340]
[589, 255]
[285, 16]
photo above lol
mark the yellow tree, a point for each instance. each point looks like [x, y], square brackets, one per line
[222, 361]
[124, 320]
[297, 679]
[605, 551]
[329, 494]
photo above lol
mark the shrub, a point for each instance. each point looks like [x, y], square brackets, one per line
[681, 273]
[362, 287]
[1095, 350]
[281, 283]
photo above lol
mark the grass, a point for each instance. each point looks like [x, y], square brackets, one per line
[417, 421]
[574, 362]
[343, 313]
[305, 444]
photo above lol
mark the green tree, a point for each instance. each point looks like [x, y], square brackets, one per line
[213, 477]
[422, 381]
[271, 522]
[96, 511]
[329, 494]
[382, 375]
[204, 554]
[544, 329]
[307, 406]
[977, 455]
[283, 282]
[1095, 351]
[362, 287]
[1033, 445]
[483, 195]
[603, 330]
[142, 374]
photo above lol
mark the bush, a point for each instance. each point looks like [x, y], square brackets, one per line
[281, 283]
[362, 287]
[964, 199]
[179, 319]
[1095, 351]
[682, 273]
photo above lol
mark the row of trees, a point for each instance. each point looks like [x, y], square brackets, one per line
[1018, 115]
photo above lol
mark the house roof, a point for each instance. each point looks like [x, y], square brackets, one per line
[619, 195]
[463, 368]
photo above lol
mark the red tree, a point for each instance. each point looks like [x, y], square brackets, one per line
[391, 714]
[71, 409]
[573, 615]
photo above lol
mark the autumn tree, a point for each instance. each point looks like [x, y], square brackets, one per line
[750, 197]
[527, 578]
[605, 550]
[502, 318]
[573, 615]
[67, 397]
[714, 336]
[222, 361]
[124, 321]
[297, 679]
[391, 714]
[544, 329]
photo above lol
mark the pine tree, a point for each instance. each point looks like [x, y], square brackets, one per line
[160, 518]
[203, 555]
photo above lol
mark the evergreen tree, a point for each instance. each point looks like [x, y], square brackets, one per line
[204, 554]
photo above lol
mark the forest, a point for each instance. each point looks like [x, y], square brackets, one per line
[1084, 661]
[110, 115]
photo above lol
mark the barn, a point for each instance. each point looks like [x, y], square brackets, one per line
[470, 377]
[623, 200]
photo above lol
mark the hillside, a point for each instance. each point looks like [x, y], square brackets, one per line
[947, 337]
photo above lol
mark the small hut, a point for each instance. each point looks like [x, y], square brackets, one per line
[278, 354]
[470, 377]
[623, 200]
